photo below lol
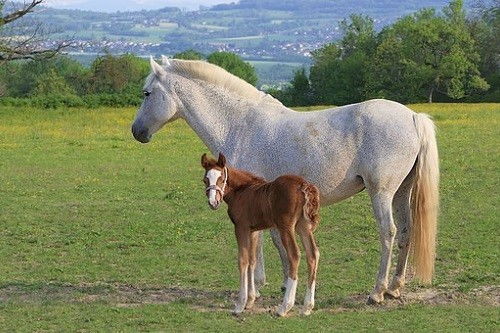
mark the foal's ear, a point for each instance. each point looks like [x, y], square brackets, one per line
[222, 160]
[204, 161]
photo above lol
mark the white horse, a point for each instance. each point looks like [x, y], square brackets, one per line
[379, 145]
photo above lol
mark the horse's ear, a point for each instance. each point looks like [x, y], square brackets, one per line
[222, 160]
[156, 68]
[204, 161]
[165, 61]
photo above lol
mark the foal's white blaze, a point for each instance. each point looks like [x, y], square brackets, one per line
[289, 299]
[212, 176]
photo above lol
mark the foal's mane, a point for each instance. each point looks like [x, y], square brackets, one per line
[205, 71]
[244, 178]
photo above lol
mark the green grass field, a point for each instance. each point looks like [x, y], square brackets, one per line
[101, 233]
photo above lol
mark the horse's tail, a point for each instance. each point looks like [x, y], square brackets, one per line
[311, 204]
[425, 200]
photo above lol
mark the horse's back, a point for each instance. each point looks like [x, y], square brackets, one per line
[341, 148]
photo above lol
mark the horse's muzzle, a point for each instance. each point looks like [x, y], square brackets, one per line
[214, 205]
[140, 135]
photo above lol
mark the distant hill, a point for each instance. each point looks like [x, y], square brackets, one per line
[260, 30]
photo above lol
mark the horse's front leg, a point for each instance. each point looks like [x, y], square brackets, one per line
[243, 238]
[259, 268]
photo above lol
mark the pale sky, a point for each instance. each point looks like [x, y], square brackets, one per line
[124, 5]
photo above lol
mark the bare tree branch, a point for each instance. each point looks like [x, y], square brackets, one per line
[8, 54]
[20, 13]
[24, 40]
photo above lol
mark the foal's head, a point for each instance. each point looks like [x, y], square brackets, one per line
[215, 179]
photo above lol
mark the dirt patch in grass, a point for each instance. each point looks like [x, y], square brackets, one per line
[123, 295]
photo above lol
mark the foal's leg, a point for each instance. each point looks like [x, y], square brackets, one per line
[252, 293]
[292, 250]
[312, 253]
[285, 264]
[382, 207]
[243, 239]
[402, 212]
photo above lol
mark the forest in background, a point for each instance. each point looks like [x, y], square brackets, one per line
[425, 56]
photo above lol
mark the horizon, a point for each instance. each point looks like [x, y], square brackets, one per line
[112, 6]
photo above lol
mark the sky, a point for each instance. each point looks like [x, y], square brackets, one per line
[124, 5]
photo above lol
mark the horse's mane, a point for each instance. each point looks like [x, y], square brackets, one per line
[202, 70]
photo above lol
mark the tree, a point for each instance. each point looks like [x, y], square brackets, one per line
[21, 40]
[116, 74]
[485, 30]
[358, 35]
[300, 90]
[189, 55]
[339, 72]
[235, 65]
[52, 83]
[424, 53]
[21, 77]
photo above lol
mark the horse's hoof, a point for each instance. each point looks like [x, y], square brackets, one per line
[306, 311]
[375, 299]
[280, 313]
[238, 310]
[393, 294]
[236, 313]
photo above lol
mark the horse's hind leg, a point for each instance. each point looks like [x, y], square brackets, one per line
[402, 212]
[312, 254]
[285, 264]
[382, 207]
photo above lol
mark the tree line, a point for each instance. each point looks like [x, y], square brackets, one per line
[426, 56]
[109, 81]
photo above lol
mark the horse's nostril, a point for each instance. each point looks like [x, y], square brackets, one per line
[140, 135]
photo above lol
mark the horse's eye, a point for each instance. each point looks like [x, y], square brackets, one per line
[146, 93]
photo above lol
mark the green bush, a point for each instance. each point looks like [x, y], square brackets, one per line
[54, 101]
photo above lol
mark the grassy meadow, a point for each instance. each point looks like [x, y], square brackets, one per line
[101, 233]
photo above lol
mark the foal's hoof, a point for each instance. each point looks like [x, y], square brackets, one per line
[250, 304]
[283, 309]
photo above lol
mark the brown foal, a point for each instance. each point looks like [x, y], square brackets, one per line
[288, 203]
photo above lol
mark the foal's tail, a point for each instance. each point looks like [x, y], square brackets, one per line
[425, 200]
[311, 205]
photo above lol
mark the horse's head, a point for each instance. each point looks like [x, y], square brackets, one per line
[159, 105]
[215, 179]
